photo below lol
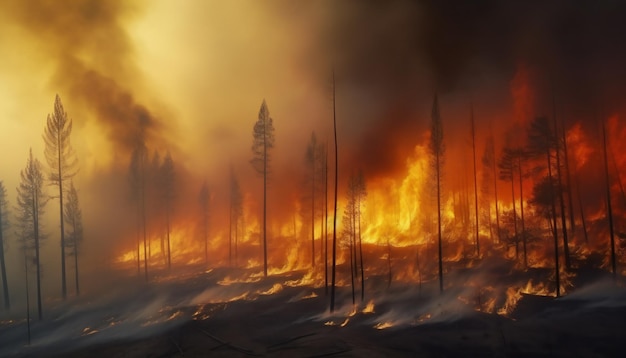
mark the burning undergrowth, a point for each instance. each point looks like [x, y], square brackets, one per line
[493, 288]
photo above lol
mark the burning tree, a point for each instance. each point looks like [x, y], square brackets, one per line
[62, 164]
[4, 222]
[541, 142]
[74, 217]
[437, 149]
[263, 134]
[203, 199]
[30, 206]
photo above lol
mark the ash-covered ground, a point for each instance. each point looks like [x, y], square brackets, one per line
[237, 312]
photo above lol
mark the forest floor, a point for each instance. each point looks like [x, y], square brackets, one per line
[226, 313]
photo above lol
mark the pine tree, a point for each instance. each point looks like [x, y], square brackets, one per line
[62, 163]
[30, 205]
[263, 143]
[74, 218]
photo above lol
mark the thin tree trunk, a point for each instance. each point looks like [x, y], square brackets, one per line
[143, 215]
[619, 179]
[568, 181]
[35, 209]
[206, 238]
[495, 194]
[521, 203]
[313, 210]
[389, 263]
[230, 229]
[167, 224]
[361, 254]
[76, 271]
[354, 251]
[326, 221]
[265, 201]
[353, 256]
[557, 273]
[516, 237]
[561, 200]
[475, 184]
[440, 249]
[608, 204]
[333, 271]
[27, 297]
[63, 276]
[3, 269]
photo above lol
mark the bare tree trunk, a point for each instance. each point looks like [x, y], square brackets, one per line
[389, 263]
[495, 193]
[230, 230]
[313, 210]
[475, 184]
[572, 222]
[352, 265]
[521, 203]
[561, 200]
[3, 268]
[557, 273]
[265, 202]
[326, 221]
[167, 223]
[35, 210]
[63, 276]
[608, 204]
[516, 237]
[76, 271]
[333, 273]
[361, 253]
[27, 297]
[440, 249]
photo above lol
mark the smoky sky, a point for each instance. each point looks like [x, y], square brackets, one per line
[402, 52]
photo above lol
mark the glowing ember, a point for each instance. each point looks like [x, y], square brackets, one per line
[383, 325]
[369, 308]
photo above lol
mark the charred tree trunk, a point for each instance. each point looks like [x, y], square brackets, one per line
[521, 203]
[608, 204]
[475, 184]
[557, 271]
[516, 237]
[561, 200]
[3, 269]
[495, 194]
[27, 297]
[568, 181]
[361, 252]
[313, 209]
[333, 274]
[326, 221]
[389, 263]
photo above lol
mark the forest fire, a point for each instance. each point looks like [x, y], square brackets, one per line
[333, 178]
